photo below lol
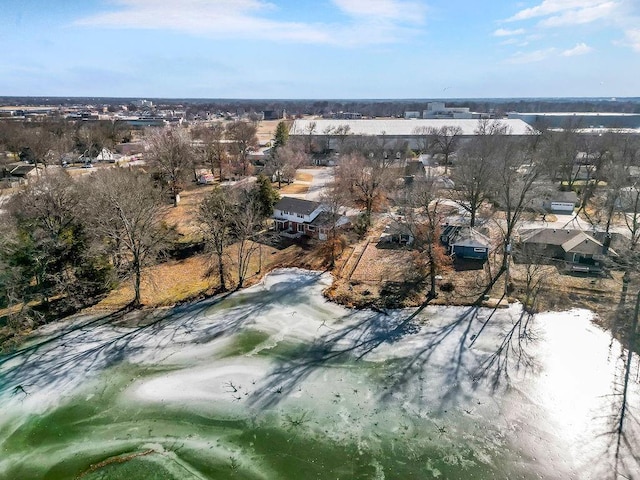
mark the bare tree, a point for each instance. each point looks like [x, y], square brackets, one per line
[328, 133]
[171, 153]
[246, 223]
[125, 213]
[311, 132]
[514, 188]
[561, 149]
[342, 132]
[216, 215]
[89, 141]
[365, 179]
[285, 160]
[422, 204]
[472, 179]
[440, 141]
[51, 234]
[333, 200]
[244, 140]
[215, 151]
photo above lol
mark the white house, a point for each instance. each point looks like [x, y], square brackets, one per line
[296, 216]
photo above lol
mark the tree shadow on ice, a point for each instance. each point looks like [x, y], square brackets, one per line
[72, 355]
[622, 425]
[363, 333]
[76, 353]
[462, 362]
[447, 346]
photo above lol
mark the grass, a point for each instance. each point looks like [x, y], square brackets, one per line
[184, 216]
[304, 177]
[295, 188]
[177, 281]
[165, 284]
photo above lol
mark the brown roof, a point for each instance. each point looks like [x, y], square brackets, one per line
[549, 236]
[583, 243]
[571, 241]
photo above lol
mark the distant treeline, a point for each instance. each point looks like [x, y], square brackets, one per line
[369, 107]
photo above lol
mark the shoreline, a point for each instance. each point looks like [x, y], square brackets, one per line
[334, 293]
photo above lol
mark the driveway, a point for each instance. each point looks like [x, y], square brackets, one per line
[321, 177]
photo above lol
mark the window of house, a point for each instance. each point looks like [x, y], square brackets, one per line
[479, 250]
[311, 228]
[299, 215]
[301, 227]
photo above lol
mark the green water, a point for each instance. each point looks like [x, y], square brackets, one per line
[284, 386]
[97, 428]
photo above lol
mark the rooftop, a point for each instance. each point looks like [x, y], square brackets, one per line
[400, 127]
[296, 205]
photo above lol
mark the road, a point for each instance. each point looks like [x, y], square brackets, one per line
[572, 222]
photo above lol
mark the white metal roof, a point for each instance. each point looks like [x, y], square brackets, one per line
[401, 127]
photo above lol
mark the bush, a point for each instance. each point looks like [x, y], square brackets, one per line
[362, 223]
[447, 287]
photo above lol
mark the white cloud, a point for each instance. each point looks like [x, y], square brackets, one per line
[620, 16]
[633, 39]
[250, 19]
[531, 57]
[503, 32]
[550, 7]
[579, 49]
[581, 15]
[396, 10]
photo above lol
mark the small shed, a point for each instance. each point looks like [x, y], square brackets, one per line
[560, 202]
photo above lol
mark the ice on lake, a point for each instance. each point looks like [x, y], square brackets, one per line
[274, 382]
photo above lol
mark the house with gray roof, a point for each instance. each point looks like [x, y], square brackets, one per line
[294, 217]
[578, 250]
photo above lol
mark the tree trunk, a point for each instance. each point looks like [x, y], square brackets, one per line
[223, 286]
[136, 285]
[432, 272]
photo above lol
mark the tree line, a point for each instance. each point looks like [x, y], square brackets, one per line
[495, 177]
[66, 243]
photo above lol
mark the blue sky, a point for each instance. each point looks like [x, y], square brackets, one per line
[320, 48]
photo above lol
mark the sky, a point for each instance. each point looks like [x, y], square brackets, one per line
[320, 48]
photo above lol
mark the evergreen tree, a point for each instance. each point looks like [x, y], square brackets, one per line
[281, 136]
[266, 196]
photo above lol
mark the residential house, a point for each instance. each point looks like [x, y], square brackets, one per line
[20, 172]
[579, 250]
[465, 242]
[295, 217]
[106, 155]
[396, 233]
[131, 148]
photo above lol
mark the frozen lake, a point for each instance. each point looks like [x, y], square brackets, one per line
[276, 383]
